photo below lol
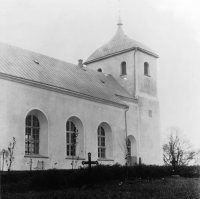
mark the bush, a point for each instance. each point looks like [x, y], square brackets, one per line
[24, 181]
[188, 171]
[47, 180]
[14, 176]
[18, 187]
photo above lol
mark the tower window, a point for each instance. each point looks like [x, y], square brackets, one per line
[123, 68]
[146, 68]
[150, 113]
[99, 70]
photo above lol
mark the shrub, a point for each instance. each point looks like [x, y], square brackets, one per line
[14, 176]
[18, 187]
[24, 181]
[47, 180]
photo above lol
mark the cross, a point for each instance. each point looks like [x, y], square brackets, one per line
[173, 162]
[89, 162]
[31, 162]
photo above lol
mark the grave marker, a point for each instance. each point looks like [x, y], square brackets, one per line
[89, 162]
[173, 162]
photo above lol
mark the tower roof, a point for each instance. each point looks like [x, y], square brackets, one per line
[119, 21]
[118, 44]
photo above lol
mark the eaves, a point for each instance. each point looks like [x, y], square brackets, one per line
[128, 99]
[122, 51]
[60, 90]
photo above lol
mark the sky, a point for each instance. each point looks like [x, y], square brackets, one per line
[73, 29]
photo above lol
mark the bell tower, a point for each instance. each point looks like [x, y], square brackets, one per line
[124, 59]
[134, 66]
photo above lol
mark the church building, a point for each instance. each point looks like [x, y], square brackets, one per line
[58, 112]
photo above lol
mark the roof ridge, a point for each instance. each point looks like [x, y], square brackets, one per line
[32, 66]
[20, 48]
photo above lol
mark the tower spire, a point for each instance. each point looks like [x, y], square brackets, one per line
[119, 21]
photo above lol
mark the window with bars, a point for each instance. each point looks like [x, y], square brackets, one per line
[32, 135]
[129, 147]
[71, 134]
[146, 68]
[101, 142]
[123, 68]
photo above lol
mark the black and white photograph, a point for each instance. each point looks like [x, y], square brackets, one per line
[100, 99]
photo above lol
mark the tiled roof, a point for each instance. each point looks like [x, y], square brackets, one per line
[32, 66]
[111, 84]
[120, 42]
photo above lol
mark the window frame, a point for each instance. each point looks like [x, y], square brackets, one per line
[129, 147]
[146, 69]
[32, 145]
[123, 68]
[70, 132]
[101, 133]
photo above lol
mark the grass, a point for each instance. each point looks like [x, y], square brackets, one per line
[165, 188]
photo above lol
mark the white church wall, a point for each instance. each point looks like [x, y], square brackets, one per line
[4, 141]
[112, 65]
[146, 84]
[3, 121]
[20, 99]
[132, 127]
[150, 142]
[149, 115]
[145, 130]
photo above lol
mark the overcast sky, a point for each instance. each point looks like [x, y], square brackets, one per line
[73, 29]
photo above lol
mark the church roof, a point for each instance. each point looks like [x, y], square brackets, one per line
[118, 44]
[27, 65]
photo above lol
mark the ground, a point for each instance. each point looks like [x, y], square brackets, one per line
[165, 188]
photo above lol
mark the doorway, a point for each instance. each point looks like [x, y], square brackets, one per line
[132, 150]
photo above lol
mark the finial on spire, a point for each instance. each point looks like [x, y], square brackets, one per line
[119, 21]
[119, 6]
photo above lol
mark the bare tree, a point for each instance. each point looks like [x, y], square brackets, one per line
[9, 154]
[197, 158]
[124, 147]
[176, 148]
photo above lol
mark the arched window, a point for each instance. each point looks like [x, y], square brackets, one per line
[132, 150]
[101, 142]
[129, 147]
[71, 134]
[123, 68]
[146, 68]
[32, 135]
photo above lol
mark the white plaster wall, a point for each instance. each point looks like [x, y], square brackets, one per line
[132, 125]
[17, 100]
[112, 65]
[145, 130]
[150, 136]
[3, 115]
[146, 84]
[149, 127]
